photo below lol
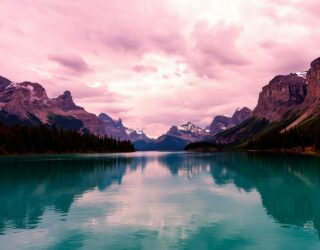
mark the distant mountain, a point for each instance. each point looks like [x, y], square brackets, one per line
[116, 129]
[187, 131]
[221, 123]
[137, 135]
[113, 128]
[176, 138]
[163, 143]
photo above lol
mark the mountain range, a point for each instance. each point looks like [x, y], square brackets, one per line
[178, 137]
[27, 103]
[286, 103]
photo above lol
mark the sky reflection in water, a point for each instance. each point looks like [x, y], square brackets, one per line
[160, 201]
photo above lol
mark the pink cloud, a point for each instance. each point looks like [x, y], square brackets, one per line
[71, 62]
[144, 69]
[215, 46]
[218, 43]
[157, 63]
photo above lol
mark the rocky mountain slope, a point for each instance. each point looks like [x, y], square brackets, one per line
[287, 102]
[27, 103]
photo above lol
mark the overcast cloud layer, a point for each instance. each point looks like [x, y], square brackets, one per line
[157, 63]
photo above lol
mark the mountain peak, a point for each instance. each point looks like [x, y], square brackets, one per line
[37, 91]
[67, 94]
[189, 126]
[4, 82]
[187, 131]
[221, 122]
[241, 115]
[65, 102]
[105, 118]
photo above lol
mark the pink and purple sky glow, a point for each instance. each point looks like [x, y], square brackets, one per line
[157, 63]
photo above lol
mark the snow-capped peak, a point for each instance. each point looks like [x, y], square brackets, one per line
[302, 74]
[129, 131]
[190, 127]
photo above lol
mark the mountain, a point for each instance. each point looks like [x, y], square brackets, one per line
[137, 135]
[90, 121]
[283, 93]
[221, 123]
[176, 138]
[116, 129]
[27, 103]
[187, 131]
[113, 128]
[288, 104]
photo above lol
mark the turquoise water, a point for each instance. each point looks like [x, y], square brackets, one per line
[160, 201]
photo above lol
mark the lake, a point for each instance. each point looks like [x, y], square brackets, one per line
[153, 200]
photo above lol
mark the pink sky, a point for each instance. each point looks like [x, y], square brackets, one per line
[157, 63]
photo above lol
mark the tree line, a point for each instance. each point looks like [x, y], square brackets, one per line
[304, 135]
[19, 139]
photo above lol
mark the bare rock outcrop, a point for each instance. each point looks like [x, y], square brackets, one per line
[283, 93]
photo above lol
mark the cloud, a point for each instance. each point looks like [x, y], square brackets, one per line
[144, 69]
[72, 62]
[157, 63]
[218, 42]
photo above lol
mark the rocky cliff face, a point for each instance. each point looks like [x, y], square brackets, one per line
[283, 93]
[313, 79]
[221, 123]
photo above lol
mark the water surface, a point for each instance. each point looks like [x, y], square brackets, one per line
[160, 201]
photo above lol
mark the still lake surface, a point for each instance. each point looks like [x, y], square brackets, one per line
[153, 200]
